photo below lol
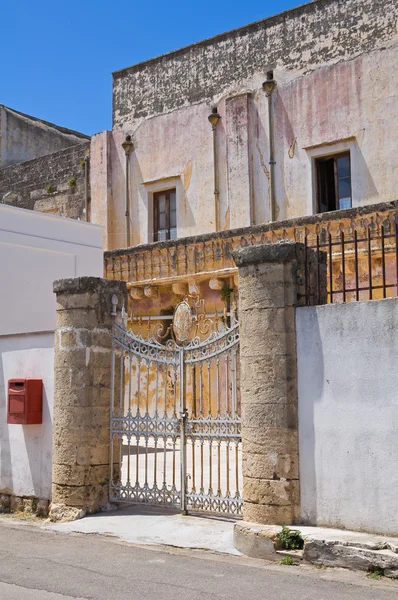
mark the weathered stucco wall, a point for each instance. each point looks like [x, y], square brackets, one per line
[299, 40]
[348, 417]
[332, 62]
[348, 106]
[23, 137]
[46, 183]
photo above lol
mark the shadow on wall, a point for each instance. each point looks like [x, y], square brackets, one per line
[38, 442]
[308, 335]
[362, 179]
[259, 146]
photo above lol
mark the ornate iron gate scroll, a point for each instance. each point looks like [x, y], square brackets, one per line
[175, 421]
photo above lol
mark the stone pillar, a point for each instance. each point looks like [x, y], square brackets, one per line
[271, 279]
[82, 381]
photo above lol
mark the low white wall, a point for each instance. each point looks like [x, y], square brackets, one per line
[35, 249]
[25, 450]
[348, 415]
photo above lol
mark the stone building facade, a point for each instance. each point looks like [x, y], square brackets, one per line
[304, 106]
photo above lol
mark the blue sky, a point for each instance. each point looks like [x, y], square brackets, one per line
[57, 56]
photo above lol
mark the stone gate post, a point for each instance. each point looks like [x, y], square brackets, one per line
[82, 381]
[271, 279]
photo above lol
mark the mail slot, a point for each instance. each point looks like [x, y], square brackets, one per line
[25, 401]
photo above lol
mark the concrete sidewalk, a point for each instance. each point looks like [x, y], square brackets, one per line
[322, 546]
[157, 527]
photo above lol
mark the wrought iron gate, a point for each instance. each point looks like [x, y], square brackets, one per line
[175, 416]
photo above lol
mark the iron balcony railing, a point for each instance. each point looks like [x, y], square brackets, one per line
[361, 262]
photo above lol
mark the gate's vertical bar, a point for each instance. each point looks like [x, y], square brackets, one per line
[112, 414]
[233, 376]
[155, 456]
[121, 401]
[233, 373]
[343, 264]
[165, 415]
[137, 464]
[356, 265]
[370, 265]
[147, 417]
[183, 450]
[383, 260]
[396, 250]
[330, 259]
[129, 418]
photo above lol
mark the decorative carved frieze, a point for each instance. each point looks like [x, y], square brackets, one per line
[137, 293]
[179, 288]
[151, 291]
[216, 284]
[175, 263]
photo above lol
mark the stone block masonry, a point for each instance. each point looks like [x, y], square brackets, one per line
[54, 183]
[82, 382]
[9, 503]
[271, 281]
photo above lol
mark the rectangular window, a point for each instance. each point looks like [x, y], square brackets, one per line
[165, 216]
[333, 179]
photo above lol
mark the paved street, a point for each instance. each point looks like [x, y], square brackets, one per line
[47, 565]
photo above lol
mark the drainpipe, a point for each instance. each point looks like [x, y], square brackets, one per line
[214, 119]
[269, 87]
[86, 166]
[127, 147]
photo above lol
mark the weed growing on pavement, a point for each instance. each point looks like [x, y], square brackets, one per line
[290, 539]
[376, 573]
[287, 560]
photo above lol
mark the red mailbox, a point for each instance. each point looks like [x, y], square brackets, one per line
[25, 401]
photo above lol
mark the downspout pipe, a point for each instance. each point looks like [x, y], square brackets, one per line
[86, 169]
[269, 87]
[127, 147]
[214, 118]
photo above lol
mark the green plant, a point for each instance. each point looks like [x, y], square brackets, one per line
[82, 163]
[376, 573]
[290, 539]
[287, 560]
[226, 294]
[50, 189]
[72, 182]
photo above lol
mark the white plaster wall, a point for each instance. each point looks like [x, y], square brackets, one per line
[25, 450]
[348, 415]
[35, 249]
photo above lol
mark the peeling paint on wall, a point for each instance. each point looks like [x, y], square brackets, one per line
[292, 148]
[267, 174]
[187, 175]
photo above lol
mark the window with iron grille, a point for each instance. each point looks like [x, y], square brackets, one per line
[165, 215]
[333, 182]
